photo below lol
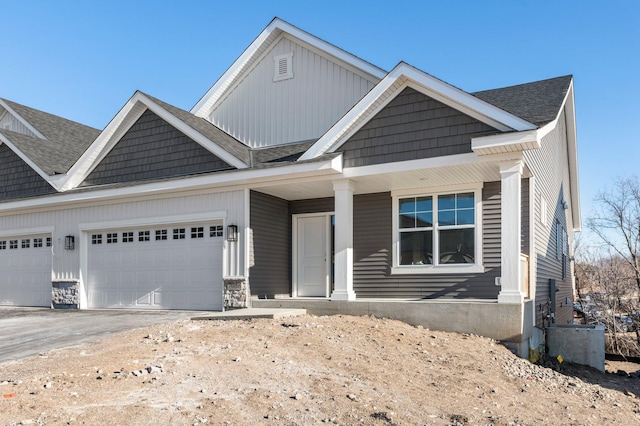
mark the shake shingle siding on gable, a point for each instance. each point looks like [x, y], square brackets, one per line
[410, 127]
[18, 179]
[152, 149]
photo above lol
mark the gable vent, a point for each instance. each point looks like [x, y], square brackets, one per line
[283, 67]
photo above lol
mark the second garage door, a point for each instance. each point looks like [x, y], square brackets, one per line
[169, 267]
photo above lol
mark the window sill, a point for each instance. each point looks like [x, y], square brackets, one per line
[440, 269]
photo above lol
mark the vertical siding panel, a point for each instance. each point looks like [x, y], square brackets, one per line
[275, 118]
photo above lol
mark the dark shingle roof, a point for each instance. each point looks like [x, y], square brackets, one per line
[538, 102]
[280, 153]
[209, 130]
[66, 140]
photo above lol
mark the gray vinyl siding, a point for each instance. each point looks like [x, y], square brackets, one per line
[410, 127]
[373, 255]
[550, 166]
[152, 149]
[270, 274]
[372, 236]
[18, 179]
[315, 205]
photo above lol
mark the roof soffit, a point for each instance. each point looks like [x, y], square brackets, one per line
[261, 45]
[402, 76]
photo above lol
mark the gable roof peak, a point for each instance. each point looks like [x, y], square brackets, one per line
[254, 51]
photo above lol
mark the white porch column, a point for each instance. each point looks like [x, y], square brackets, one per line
[511, 207]
[343, 279]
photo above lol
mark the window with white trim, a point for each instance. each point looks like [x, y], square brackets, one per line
[144, 236]
[127, 237]
[161, 234]
[96, 239]
[112, 238]
[13, 244]
[48, 241]
[26, 243]
[436, 231]
[37, 242]
[3, 245]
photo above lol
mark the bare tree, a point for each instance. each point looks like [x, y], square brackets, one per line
[617, 224]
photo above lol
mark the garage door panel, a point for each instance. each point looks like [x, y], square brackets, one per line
[25, 270]
[155, 273]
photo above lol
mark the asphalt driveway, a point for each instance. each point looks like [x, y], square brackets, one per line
[29, 331]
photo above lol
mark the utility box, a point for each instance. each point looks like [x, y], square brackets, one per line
[580, 344]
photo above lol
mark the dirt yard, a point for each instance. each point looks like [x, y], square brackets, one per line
[305, 370]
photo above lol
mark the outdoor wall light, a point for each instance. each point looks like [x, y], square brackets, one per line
[232, 233]
[69, 242]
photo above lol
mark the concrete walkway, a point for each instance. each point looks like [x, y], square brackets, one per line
[249, 313]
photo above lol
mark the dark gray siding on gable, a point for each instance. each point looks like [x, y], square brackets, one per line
[18, 179]
[152, 149]
[373, 257]
[270, 274]
[412, 126]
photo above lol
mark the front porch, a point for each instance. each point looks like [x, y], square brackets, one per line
[500, 321]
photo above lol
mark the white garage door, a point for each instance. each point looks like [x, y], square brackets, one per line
[25, 270]
[169, 267]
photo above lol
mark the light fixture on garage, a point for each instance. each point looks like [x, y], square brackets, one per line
[232, 233]
[69, 242]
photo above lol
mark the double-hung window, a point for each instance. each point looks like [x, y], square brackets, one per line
[437, 233]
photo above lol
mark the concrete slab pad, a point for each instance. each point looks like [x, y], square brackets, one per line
[250, 313]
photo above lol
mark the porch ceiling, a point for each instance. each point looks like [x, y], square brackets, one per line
[373, 179]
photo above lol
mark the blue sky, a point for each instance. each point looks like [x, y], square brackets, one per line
[84, 59]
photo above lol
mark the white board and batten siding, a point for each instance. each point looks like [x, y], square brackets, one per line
[262, 112]
[206, 208]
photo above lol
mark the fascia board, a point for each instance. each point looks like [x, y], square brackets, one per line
[224, 181]
[193, 134]
[19, 117]
[413, 165]
[465, 102]
[426, 84]
[30, 163]
[206, 103]
[506, 142]
[572, 151]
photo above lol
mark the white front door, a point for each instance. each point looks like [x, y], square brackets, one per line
[312, 255]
